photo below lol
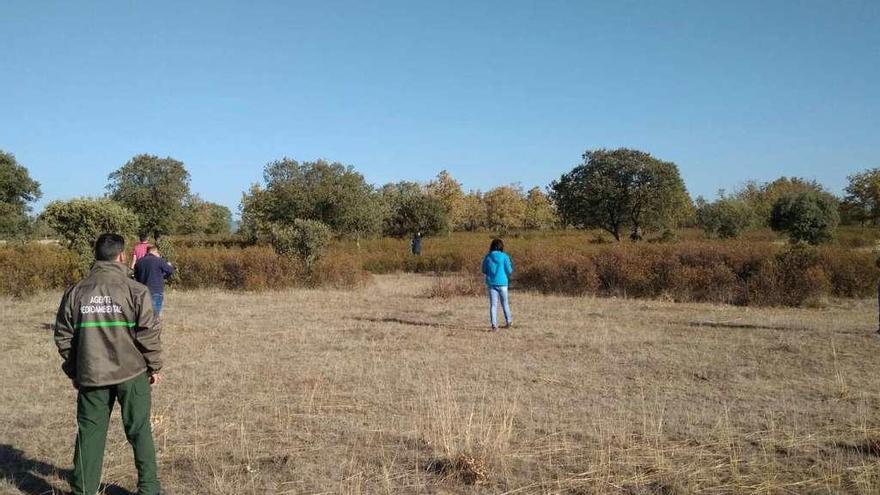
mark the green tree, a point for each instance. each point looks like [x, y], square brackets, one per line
[155, 189]
[255, 211]
[727, 217]
[505, 208]
[203, 217]
[539, 213]
[763, 196]
[448, 191]
[411, 209]
[307, 240]
[330, 193]
[80, 221]
[473, 212]
[616, 189]
[809, 216]
[17, 191]
[862, 201]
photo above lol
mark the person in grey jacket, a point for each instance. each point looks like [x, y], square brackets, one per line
[110, 341]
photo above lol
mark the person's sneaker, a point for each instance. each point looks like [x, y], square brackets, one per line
[493, 329]
[508, 326]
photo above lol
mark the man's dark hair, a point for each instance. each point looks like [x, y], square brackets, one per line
[497, 245]
[142, 237]
[108, 247]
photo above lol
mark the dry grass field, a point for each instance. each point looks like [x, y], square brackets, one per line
[384, 390]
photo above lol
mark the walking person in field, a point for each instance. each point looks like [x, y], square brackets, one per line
[109, 338]
[416, 244]
[497, 268]
[139, 250]
[152, 271]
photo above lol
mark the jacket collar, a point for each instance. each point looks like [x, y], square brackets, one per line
[110, 267]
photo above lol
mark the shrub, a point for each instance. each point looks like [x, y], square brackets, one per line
[574, 277]
[81, 221]
[445, 287]
[743, 273]
[260, 268]
[338, 271]
[851, 273]
[791, 278]
[809, 217]
[857, 237]
[304, 239]
[28, 268]
[725, 218]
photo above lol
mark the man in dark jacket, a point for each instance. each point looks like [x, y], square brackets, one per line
[416, 244]
[109, 338]
[152, 270]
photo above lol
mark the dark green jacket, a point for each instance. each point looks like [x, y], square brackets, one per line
[106, 330]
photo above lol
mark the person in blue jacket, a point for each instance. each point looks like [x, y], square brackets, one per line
[497, 268]
[152, 270]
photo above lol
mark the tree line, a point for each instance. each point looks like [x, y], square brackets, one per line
[627, 193]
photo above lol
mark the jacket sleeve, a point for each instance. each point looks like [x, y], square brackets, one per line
[508, 266]
[65, 331]
[148, 332]
[486, 265]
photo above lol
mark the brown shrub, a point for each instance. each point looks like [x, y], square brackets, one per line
[260, 268]
[25, 269]
[573, 277]
[793, 277]
[716, 283]
[852, 273]
[730, 272]
[339, 271]
[445, 287]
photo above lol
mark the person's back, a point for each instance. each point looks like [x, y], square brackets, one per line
[497, 268]
[105, 302]
[110, 342]
[152, 270]
[416, 244]
[139, 251]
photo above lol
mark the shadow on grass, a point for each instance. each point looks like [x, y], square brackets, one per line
[30, 475]
[416, 323]
[740, 326]
[868, 448]
[752, 326]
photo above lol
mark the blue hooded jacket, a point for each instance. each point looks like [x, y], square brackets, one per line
[497, 268]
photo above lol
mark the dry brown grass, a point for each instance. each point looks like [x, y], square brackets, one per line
[387, 390]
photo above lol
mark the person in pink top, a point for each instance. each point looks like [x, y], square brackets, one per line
[140, 250]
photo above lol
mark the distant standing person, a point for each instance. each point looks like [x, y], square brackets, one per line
[140, 250]
[497, 268]
[152, 270]
[416, 244]
[110, 341]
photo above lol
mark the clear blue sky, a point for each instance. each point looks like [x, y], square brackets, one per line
[495, 92]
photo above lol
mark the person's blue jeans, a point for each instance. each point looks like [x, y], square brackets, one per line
[497, 292]
[157, 303]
